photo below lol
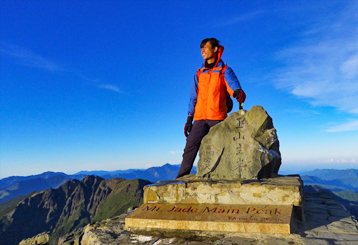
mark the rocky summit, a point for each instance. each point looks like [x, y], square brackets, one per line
[243, 146]
[256, 206]
[236, 189]
[325, 222]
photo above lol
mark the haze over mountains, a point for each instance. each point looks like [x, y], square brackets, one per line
[60, 203]
[16, 186]
[332, 179]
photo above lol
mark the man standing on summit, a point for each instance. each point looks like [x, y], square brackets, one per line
[209, 99]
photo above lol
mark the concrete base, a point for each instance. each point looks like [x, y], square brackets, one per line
[263, 206]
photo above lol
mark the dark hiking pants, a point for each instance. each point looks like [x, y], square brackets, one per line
[199, 130]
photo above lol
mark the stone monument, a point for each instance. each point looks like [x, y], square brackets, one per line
[236, 189]
[243, 146]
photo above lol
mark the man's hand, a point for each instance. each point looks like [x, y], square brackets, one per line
[188, 126]
[240, 95]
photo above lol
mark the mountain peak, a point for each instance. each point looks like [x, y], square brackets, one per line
[91, 179]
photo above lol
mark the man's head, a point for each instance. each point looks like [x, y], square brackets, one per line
[209, 48]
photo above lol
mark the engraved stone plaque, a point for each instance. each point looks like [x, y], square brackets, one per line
[206, 217]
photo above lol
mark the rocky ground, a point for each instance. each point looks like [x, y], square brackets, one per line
[42, 238]
[326, 222]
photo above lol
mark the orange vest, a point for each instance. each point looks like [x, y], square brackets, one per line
[212, 93]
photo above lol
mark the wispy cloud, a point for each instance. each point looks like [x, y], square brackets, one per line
[325, 73]
[322, 67]
[240, 18]
[301, 112]
[338, 160]
[350, 126]
[98, 83]
[28, 58]
[176, 152]
[110, 87]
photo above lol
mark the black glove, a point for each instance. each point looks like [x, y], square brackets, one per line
[188, 126]
[240, 95]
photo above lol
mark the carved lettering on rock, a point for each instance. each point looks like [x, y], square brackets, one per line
[240, 123]
[251, 213]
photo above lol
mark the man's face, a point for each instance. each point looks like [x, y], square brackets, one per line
[208, 52]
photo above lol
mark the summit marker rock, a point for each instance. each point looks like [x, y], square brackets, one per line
[220, 198]
[243, 146]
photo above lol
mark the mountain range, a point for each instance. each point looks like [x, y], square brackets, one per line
[59, 203]
[16, 186]
[70, 206]
[332, 179]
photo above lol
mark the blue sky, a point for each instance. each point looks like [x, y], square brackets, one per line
[104, 85]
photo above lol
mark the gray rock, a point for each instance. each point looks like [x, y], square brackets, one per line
[243, 146]
[40, 239]
[341, 231]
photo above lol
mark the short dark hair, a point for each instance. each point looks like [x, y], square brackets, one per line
[213, 41]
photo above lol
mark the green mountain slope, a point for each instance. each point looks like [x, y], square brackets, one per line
[347, 195]
[72, 205]
[349, 199]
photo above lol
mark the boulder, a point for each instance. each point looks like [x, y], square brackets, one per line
[42, 238]
[243, 146]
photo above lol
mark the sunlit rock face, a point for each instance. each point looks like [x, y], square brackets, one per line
[243, 146]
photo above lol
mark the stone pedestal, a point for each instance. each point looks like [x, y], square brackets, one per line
[264, 206]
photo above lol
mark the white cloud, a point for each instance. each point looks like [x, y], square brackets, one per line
[302, 112]
[176, 152]
[349, 68]
[326, 73]
[341, 160]
[350, 126]
[322, 66]
[28, 58]
[110, 87]
[239, 18]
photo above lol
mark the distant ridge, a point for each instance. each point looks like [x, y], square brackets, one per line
[9, 181]
[153, 174]
[331, 174]
[25, 187]
[102, 172]
[16, 186]
[332, 179]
